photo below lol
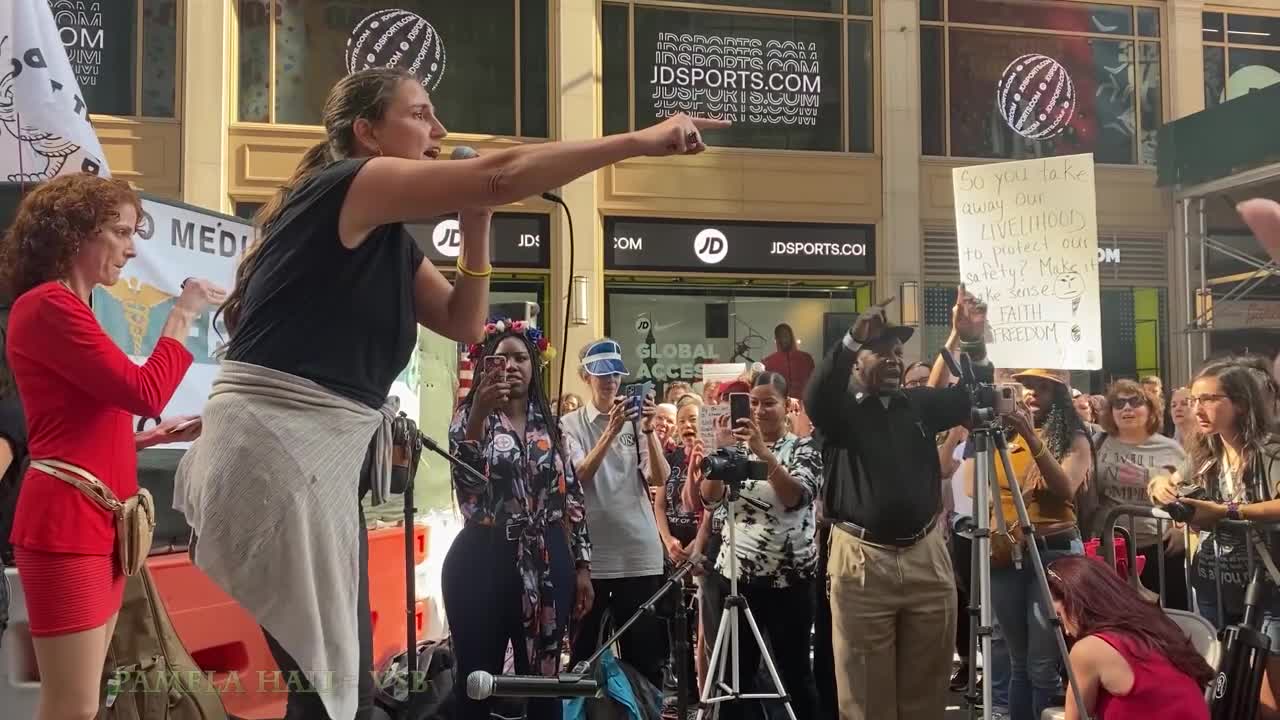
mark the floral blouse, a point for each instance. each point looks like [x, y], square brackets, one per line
[776, 546]
[530, 488]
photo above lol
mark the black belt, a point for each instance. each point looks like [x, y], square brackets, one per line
[1061, 540]
[866, 535]
[511, 529]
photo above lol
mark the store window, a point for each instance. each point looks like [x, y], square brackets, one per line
[484, 61]
[802, 82]
[1241, 54]
[124, 54]
[667, 333]
[1011, 79]
[680, 293]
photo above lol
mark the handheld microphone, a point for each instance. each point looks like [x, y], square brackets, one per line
[482, 686]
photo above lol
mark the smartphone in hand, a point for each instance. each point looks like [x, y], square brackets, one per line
[186, 424]
[494, 365]
[739, 408]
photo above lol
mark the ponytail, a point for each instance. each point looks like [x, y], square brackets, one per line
[313, 160]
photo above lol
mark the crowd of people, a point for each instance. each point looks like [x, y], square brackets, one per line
[851, 544]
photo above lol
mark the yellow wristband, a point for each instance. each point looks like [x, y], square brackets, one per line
[488, 270]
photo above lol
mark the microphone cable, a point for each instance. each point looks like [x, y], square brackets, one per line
[568, 296]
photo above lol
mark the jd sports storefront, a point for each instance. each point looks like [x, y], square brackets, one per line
[679, 293]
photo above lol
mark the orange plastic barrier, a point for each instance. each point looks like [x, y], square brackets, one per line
[226, 642]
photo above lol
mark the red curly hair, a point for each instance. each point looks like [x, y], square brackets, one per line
[52, 224]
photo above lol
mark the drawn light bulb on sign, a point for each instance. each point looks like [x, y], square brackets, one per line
[1036, 97]
[397, 39]
[1070, 286]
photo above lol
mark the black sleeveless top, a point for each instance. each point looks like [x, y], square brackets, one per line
[313, 308]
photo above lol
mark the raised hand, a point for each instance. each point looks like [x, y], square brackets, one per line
[1263, 218]
[678, 135]
[199, 294]
[968, 316]
[871, 322]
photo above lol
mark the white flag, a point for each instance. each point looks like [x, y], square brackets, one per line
[44, 123]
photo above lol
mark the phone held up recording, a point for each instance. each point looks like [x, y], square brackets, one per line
[494, 365]
[739, 408]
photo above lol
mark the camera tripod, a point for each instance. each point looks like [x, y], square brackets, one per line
[989, 445]
[728, 640]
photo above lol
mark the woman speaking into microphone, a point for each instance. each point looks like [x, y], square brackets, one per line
[322, 318]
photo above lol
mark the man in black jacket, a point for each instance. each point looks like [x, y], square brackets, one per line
[892, 589]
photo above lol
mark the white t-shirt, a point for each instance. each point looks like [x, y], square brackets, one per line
[624, 534]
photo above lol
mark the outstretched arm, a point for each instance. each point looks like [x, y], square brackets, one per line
[389, 190]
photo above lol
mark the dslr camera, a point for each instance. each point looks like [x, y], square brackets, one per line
[730, 465]
[988, 401]
[1180, 511]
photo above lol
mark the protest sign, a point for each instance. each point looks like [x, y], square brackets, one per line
[1028, 243]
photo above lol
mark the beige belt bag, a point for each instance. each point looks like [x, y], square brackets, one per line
[135, 517]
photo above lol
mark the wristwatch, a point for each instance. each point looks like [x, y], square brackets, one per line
[1233, 511]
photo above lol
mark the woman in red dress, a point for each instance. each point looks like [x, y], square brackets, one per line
[80, 393]
[1131, 661]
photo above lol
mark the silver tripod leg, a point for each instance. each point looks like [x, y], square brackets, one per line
[728, 637]
[984, 482]
[1037, 563]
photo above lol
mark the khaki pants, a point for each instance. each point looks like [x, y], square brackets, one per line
[893, 613]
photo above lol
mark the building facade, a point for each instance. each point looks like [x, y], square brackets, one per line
[833, 188]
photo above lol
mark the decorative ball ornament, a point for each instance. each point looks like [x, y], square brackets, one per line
[1036, 97]
[397, 39]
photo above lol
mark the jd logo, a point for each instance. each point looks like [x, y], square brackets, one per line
[643, 324]
[447, 238]
[710, 246]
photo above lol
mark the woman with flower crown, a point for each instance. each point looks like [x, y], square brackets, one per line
[523, 558]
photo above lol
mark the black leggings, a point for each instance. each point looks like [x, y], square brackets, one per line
[644, 645]
[785, 617]
[309, 705]
[483, 602]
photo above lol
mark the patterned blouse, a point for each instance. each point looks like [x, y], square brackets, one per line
[531, 487]
[776, 546]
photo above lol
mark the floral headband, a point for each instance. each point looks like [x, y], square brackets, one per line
[519, 327]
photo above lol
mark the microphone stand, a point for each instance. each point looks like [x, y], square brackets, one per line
[411, 598]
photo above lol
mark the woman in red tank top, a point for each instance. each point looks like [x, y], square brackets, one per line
[1130, 660]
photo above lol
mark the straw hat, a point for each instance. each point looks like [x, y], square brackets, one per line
[1059, 376]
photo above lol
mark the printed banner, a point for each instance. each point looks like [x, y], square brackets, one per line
[175, 242]
[46, 130]
[1027, 237]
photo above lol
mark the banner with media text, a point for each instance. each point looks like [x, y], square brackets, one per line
[1027, 235]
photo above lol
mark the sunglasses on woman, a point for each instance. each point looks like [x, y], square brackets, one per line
[1132, 401]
